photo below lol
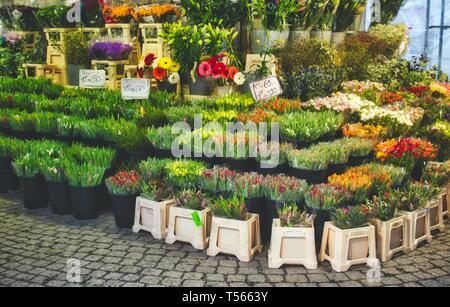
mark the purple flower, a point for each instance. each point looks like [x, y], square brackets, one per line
[109, 50]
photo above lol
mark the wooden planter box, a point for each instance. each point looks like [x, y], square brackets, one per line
[182, 227]
[292, 246]
[42, 71]
[30, 39]
[418, 226]
[127, 33]
[239, 238]
[436, 216]
[152, 216]
[344, 248]
[445, 198]
[114, 72]
[391, 237]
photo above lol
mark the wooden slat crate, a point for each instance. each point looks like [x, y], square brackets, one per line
[391, 237]
[152, 216]
[418, 224]
[30, 38]
[436, 216]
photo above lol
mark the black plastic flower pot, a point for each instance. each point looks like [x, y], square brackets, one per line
[357, 161]
[337, 169]
[8, 181]
[167, 86]
[24, 135]
[279, 169]
[138, 156]
[84, 202]
[242, 165]
[59, 194]
[5, 164]
[124, 209]
[162, 153]
[35, 193]
[103, 198]
[259, 206]
[322, 216]
[311, 176]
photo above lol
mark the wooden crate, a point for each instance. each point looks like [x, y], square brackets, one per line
[292, 246]
[182, 227]
[344, 248]
[152, 216]
[418, 225]
[115, 72]
[239, 238]
[95, 32]
[40, 71]
[445, 198]
[435, 214]
[55, 36]
[151, 33]
[391, 237]
[30, 38]
[124, 31]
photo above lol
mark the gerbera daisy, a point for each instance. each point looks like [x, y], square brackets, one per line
[159, 73]
[204, 70]
[165, 63]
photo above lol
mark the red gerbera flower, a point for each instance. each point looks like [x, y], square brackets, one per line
[159, 73]
[149, 59]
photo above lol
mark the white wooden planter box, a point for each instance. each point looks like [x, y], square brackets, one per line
[182, 227]
[152, 216]
[418, 225]
[436, 216]
[239, 238]
[290, 245]
[391, 237]
[344, 248]
[445, 198]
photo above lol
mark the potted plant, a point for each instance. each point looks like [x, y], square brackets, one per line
[360, 150]
[280, 190]
[391, 231]
[133, 141]
[8, 180]
[152, 207]
[164, 70]
[124, 187]
[33, 185]
[22, 125]
[324, 27]
[190, 219]
[233, 230]
[226, 77]
[292, 240]
[85, 181]
[309, 164]
[338, 157]
[321, 200]
[411, 202]
[53, 170]
[109, 51]
[53, 16]
[349, 239]
[438, 174]
[184, 173]
[76, 48]
[270, 27]
[346, 14]
[217, 180]
[161, 139]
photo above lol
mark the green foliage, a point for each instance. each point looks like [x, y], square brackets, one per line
[84, 175]
[347, 12]
[100, 157]
[53, 16]
[192, 199]
[27, 166]
[230, 208]
[274, 15]
[76, 48]
[53, 170]
[381, 207]
[153, 169]
[350, 218]
[392, 36]
[46, 122]
[291, 216]
[39, 86]
[389, 9]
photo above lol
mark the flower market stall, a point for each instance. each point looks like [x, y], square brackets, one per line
[348, 163]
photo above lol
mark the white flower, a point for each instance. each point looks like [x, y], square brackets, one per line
[174, 78]
[239, 78]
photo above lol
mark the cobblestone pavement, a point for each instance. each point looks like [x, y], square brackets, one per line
[35, 247]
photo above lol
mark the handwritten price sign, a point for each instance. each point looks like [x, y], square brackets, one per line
[135, 89]
[266, 89]
[92, 78]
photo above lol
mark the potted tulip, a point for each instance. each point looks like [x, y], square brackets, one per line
[58, 189]
[8, 180]
[85, 181]
[292, 240]
[349, 239]
[76, 48]
[249, 186]
[321, 201]
[233, 230]
[35, 195]
[309, 164]
[124, 187]
[391, 230]
[438, 175]
[217, 180]
[411, 202]
[268, 167]
[161, 140]
[190, 219]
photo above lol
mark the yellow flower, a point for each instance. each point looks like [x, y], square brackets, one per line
[142, 111]
[165, 63]
[175, 67]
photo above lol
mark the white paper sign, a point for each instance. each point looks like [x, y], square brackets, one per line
[135, 89]
[294, 233]
[92, 78]
[266, 89]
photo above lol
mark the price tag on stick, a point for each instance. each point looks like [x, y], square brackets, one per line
[266, 89]
[197, 220]
[92, 78]
[135, 89]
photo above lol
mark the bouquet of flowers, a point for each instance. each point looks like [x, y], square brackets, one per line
[119, 14]
[248, 185]
[358, 181]
[124, 183]
[217, 69]
[156, 12]
[114, 51]
[437, 174]
[350, 218]
[291, 216]
[363, 131]
[284, 189]
[217, 179]
[326, 197]
[163, 69]
[405, 152]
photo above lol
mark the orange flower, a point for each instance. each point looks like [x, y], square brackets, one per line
[159, 73]
[232, 71]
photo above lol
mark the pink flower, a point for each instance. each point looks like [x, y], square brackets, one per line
[204, 70]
